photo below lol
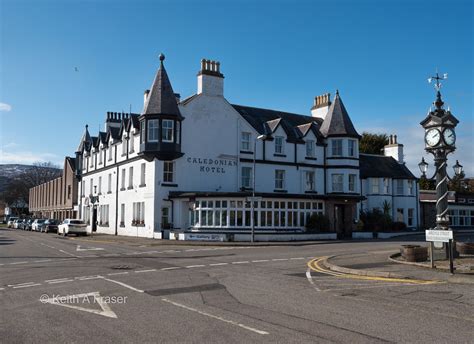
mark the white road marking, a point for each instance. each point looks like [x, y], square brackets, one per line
[260, 260]
[242, 262]
[89, 256]
[150, 270]
[279, 259]
[117, 273]
[218, 264]
[297, 258]
[12, 285]
[124, 285]
[194, 266]
[106, 311]
[2, 288]
[310, 279]
[18, 263]
[57, 279]
[42, 261]
[215, 317]
[2, 264]
[171, 268]
[62, 281]
[111, 255]
[79, 248]
[69, 253]
[48, 246]
[85, 278]
[26, 286]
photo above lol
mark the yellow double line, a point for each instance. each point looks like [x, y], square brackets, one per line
[316, 265]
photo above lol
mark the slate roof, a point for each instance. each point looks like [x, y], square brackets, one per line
[86, 141]
[337, 121]
[161, 100]
[380, 166]
[266, 121]
[114, 132]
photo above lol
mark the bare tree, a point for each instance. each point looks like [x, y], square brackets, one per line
[19, 187]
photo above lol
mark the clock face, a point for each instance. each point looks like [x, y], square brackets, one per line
[449, 136]
[432, 137]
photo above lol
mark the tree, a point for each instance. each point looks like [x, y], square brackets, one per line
[426, 184]
[372, 143]
[18, 189]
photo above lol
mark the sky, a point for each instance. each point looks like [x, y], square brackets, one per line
[65, 63]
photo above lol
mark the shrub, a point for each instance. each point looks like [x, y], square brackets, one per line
[399, 226]
[317, 223]
[375, 220]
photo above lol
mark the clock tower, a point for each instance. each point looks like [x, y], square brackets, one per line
[440, 139]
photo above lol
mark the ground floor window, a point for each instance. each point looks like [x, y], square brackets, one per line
[104, 215]
[411, 212]
[165, 218]
[400, 215]
[86, 214]
[461, 217]
[237, 213]
[138, 213]
[122, 214]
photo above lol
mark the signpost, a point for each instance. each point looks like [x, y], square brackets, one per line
[435, 236]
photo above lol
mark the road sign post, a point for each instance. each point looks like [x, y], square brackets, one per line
[441, 236]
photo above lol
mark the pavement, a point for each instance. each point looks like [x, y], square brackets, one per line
[67, 290]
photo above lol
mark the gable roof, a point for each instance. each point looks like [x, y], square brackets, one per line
[265, 121]
[380, 166]
[161, 100]
[337, 121]
[113, 132]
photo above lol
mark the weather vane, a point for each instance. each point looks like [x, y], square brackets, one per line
[437, 84]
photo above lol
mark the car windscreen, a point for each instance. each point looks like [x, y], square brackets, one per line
[76, 222]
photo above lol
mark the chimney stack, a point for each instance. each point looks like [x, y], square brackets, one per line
[145, 96]
[394, 149]
[210, 79]
[321, 105]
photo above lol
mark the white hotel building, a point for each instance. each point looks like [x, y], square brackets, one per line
[188, 165]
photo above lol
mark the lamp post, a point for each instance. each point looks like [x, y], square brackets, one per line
[253, 198]
[440, 139]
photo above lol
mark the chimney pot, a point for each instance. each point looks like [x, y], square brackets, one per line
[394, 139]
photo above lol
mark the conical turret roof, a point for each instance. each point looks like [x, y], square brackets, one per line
[161, 100]
[337, 121]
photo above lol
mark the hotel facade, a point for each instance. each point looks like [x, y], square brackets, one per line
[199, 165]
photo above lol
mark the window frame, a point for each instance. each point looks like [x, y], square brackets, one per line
[167, 133]
[280, 181]
[279, 145]
[153, 130]
[245, 141]
[310, 153]
[336, 150]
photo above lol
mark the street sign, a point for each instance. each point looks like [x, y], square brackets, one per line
[439, 235]
[254, 199]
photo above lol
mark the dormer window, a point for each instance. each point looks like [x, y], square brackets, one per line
[131, 143]
[153, 130]
[124, 145]
[337, 147]
[110, 151]
[100, 158]
[167, 130]
[310, 149]
[279, 145]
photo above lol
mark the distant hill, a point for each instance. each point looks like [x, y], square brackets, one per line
[9, 172]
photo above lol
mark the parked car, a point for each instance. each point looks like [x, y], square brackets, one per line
[24, 224]
[27, 224]
[10, 221]
[37, 225]
[50, 225]
[17, 223]
[72, 226]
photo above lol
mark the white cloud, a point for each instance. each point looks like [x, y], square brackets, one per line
[5, 107]
[27, 158]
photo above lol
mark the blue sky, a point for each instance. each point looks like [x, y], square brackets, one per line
[274, 54]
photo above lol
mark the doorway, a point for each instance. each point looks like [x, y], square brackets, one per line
[94, 219]
[339, 212]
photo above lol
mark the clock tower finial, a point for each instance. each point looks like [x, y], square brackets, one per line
[437, 85]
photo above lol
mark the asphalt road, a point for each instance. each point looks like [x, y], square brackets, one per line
[55, 290]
